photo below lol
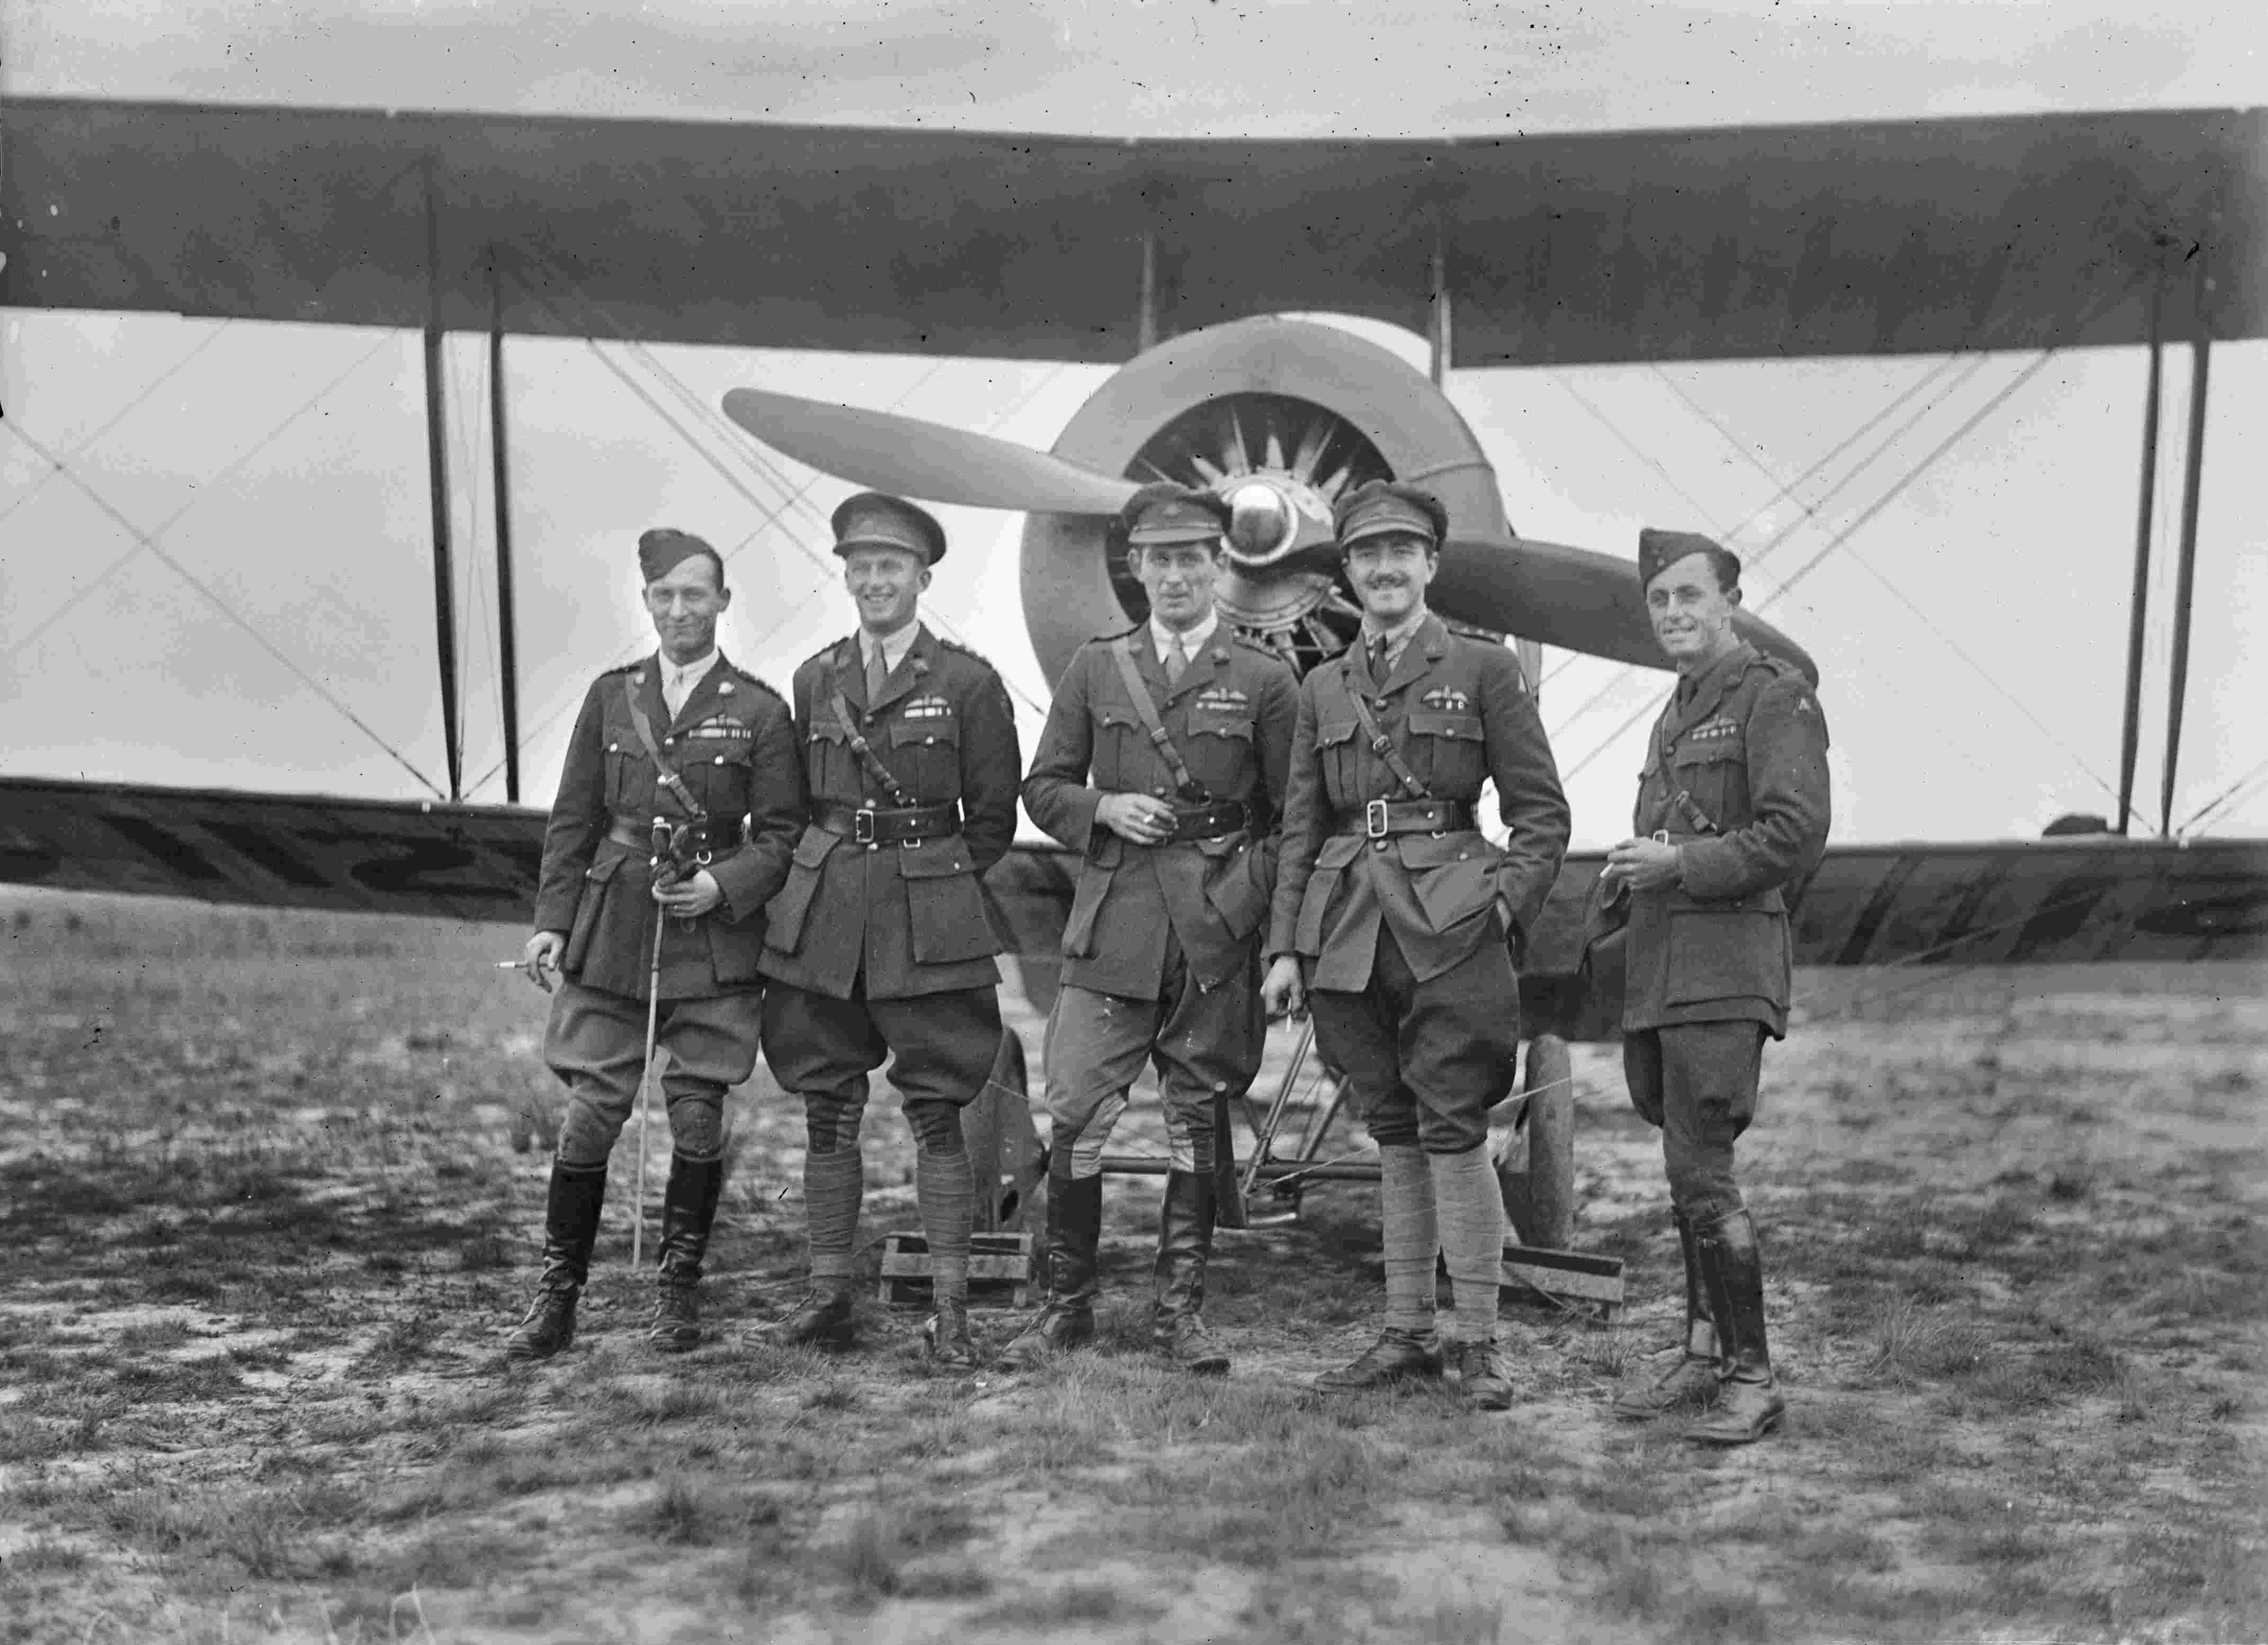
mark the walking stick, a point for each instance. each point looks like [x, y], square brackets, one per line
[645, 1069]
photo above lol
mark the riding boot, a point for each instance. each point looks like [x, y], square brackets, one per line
[1693, 1380]
[1074, 1237]
[689, 1207]
[1749, 1405]
[571, 1228]
[1185, 1224]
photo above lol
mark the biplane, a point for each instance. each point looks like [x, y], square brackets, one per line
[1178, 262]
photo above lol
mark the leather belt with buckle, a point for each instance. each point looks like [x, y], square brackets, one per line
[1209, 822]
[688, 842]
[1381, 818]
[888, 825]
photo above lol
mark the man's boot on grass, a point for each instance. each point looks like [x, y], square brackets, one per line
[1482, 1380]
[1399, 1355]
[1693, 1380]
[1074, 1237]
[1749, 1405]
[571, 1228]
[1185, 1224]
[689, 1207]
[945, 1335]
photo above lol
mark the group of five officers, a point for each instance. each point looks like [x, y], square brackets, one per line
[804, 878]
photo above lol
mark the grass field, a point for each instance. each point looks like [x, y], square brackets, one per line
[269, 1187]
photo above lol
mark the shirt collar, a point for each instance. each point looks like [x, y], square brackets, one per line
[894, 644]
[1192, 640]
[1691, 685]
[688, 674]
[1398, 636]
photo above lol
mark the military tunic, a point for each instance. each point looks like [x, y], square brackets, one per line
[734, 748]
[1414, 994]
[1736, 777]
[877, 949]
[1161, 948]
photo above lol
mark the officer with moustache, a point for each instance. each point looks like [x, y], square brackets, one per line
[878, 945]
[680, 799]
[1163, 764]
[1732, 819]
[1399, 924]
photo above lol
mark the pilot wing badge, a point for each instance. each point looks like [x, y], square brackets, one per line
[929, 706]
[1448, 700]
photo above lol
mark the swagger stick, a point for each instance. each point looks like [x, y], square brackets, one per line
[660, 842]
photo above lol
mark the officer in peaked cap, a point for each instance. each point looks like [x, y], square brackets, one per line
[1161, 952]
[679, 802]
[878, 945]
[1399, 924]
[1732, 818]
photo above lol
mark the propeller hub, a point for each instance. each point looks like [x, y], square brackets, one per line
[1267, 512]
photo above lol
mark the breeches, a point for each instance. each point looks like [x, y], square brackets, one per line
[1427, 1060]
[941, 1048]
[1697, 1082]
[1206, 1042]
[595, 1043]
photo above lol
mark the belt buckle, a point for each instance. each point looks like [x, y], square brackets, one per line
[862, 826]
[1374, 819]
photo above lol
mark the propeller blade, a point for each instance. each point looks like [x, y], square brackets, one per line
[1575, 598]
[908, 457]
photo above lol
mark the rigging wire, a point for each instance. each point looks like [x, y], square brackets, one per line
[141, 398]
[1866, 517]
[2239, 790]
[150, 544]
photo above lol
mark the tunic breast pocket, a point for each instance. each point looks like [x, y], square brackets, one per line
[1451, 749]
[718, 771]
[1335, 748]
[1219, 748]
[1715, 772]
[630, 778]
[925, 757]
[1121, 758]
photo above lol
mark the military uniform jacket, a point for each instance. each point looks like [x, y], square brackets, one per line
[1231, 717]
[1747, 749]
[733, 747]
[902, 919]
[1460, 714]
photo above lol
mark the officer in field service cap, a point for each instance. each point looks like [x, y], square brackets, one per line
[1731, 821]
[1399, 924]
[1163, 765]
[679, 803]
[878, 944]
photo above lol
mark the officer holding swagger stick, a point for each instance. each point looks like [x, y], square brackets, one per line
[686, 764]
[1163, 764]
[1399, 924]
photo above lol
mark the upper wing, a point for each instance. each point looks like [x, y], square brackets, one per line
[1926, 236]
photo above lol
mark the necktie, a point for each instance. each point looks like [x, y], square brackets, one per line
[878, 674]
[1378, 660]
[1177, 662]
[672, 690]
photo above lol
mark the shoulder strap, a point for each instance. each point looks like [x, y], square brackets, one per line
[1121, 652]
[1380, 744]
[869, 760]
[672, 784]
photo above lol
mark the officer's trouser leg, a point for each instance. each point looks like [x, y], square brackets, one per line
[822, 1050]
[1707, 1083]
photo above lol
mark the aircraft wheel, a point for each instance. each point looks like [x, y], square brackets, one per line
[1004, 1149]
[1536, 1172]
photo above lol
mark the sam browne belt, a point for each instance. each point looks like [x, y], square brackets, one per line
[1381, 818]
[688, 842]
[888, 825]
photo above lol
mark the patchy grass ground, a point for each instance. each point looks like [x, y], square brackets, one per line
[269, 1195]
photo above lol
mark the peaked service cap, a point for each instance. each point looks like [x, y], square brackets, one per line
[872, 520]
[1379, 506]
[1166, 513]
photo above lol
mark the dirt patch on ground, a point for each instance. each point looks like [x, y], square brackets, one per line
[269, 1187]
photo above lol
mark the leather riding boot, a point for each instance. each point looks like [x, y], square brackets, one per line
[1397, 1356]
[1748, 1403]
[946, 1337]
[571, 1228]
[1481, 1379]
[1074, 1236]
[689, 1207]
[1693, 1380]
[1185, 1224]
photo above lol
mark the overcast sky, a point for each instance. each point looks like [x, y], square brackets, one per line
[1971, 636]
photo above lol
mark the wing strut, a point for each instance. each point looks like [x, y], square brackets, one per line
[507, 619]
[2185, 567]
[2137, 607]
[437, 464]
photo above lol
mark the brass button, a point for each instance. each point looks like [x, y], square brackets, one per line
[1378, 845]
